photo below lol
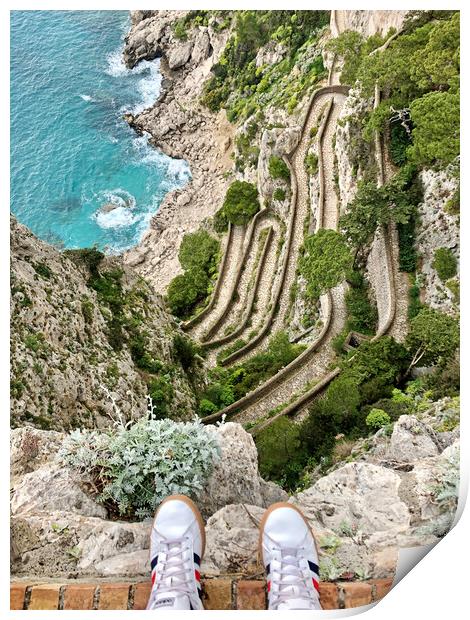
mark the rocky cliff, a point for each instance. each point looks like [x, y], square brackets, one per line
[77, 340]
[182, 128]
[398, 489]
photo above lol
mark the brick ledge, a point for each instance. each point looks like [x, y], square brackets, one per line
[219, 593]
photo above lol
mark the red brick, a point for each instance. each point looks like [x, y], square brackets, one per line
[45, 597]
[79, 596]
[17, 591]
[329, 596]
[356, 594]
[251, 595]
[141, 595]
[217, 593]
[382, 587]
[114, 596]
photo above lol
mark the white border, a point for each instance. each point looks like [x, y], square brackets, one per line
[437, 587]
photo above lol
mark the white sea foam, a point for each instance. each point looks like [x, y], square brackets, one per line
[149, 85]
[117, 218]
[87, 97]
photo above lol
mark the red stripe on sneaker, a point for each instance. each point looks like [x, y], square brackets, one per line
[315, 585]
[268, 585]
[154, 574]
[198, 575]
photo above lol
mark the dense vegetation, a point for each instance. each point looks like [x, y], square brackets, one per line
[242, 87]
[198, 256]
[418, 74]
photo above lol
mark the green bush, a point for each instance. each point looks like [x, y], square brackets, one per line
[279, 194]
[184, 350]
[325, 261]
[399, 142]
[135, 467]
[241, 202]
[186, 291]
[368, 374]
[199, 249]
[406, 241]
[311, 163]
[278, 168]
[445, 264]
[281, 456]
[161, 392]
[90, 257]
[433, 337]
[220, 221]
[377, 418]
[362, 315]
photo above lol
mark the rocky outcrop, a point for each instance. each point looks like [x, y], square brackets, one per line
[64, 370]
[437, 228]
[367, 22]
[58, 524]
[400, 491]
[181, 128]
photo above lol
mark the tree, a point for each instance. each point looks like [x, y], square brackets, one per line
[325, 262]
[199, 249]
[433, 337]
[241, 202]
[278, 168]
[280, 452]
[445, 264]
[436, 120]
[186, 290]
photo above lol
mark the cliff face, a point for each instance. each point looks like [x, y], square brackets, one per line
[181, 128]
[367, 22]
[64, 369]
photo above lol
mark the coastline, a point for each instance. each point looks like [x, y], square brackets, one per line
[182, 129]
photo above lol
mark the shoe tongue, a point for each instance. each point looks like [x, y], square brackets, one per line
[171, 601]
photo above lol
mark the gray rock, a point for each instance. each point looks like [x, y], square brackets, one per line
[202, 47]
[52, 488]
[30, 448]
[272, 493]
[179, 55]
[358, 496]
[411, 441]
[235, 478]
[232, 540]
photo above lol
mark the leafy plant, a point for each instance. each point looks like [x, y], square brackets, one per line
[433, 337]
[444, 263]
[377, 418]
[278, 168]
[135, 467]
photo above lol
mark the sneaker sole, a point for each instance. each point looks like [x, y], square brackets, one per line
[265, 518]
[197, 514]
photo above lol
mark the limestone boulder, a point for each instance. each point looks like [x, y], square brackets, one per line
[52, 488]
[358, 496]
[179, 55]
[235, 478]
[232, 540]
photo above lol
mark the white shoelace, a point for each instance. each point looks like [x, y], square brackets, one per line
[173, 578]
[290, 580]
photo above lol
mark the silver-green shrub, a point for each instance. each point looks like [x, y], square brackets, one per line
[135, 466]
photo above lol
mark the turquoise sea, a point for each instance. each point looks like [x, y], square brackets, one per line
[71, 151]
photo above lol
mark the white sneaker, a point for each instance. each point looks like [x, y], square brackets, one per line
[177, 545]
[290, 557]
